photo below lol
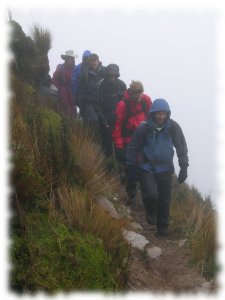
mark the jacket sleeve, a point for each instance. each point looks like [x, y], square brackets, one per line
[120, 118]
[136, 144]
[180, 145]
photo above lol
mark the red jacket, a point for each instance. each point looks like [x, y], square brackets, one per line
[123, 137]
[62, 80]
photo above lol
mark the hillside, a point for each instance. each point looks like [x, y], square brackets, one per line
[69, 213]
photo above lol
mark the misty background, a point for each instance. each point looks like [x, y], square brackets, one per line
[172, 53]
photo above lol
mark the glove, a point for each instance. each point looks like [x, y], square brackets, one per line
[182, 175]
[120, 154]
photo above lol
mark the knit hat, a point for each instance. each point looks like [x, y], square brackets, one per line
[112, 69]
[136, 87]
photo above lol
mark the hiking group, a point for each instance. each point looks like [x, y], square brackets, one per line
[140, 131]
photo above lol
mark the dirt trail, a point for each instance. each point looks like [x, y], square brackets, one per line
[171, 272]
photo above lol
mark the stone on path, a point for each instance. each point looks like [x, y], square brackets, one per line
[154, 252]
[135, 239]
[136, 226]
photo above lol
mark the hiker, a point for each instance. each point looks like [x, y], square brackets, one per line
[78, 71]
[110, 91]
[153, 143]
[130, 112]
[86, 90]
[62, 80]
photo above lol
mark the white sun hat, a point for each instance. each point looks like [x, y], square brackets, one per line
[69, 53]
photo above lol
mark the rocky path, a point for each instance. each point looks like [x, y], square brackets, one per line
[163, 264]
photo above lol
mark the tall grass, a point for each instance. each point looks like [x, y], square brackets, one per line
[197, 220]
[83, 212]
[92, 172]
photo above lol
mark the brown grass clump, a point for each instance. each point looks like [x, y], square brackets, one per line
[83, 212]
[92, 173]
[197, 220]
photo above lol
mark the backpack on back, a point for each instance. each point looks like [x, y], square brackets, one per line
[125, 131]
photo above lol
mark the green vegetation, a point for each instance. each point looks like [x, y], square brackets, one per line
[50, 257]
[58, 166]
[195, 219]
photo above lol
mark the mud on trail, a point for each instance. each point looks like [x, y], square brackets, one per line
[172, 271]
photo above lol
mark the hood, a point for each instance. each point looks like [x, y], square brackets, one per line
[86, 53]
[112, 69]
[160, 105]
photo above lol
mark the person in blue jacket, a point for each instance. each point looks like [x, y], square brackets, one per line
[151, 148]
[78, 72]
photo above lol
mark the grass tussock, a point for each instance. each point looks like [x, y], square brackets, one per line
[83, 212]
[92, 172]
[42, 37]
[197, 220]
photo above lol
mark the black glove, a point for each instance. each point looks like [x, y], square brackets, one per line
[182, 175]
[120, 154]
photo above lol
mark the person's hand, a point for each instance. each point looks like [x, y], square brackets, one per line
[182, 175]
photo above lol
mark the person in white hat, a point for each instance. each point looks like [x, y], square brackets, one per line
[62, 80]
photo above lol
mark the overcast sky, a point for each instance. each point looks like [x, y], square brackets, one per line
[172, 53]
[174, 50]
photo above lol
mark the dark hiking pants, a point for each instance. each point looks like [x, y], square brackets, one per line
[156, 195]
[132, 178]
[106, 136]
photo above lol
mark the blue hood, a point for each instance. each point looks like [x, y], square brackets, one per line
[86, 53]
[160, 105]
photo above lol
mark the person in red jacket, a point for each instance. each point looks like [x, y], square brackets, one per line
[62, 80]
[130, 112]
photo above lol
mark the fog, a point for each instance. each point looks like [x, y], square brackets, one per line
[175, 51]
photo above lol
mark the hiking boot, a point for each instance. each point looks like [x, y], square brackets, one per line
[151, 219]
[163, 231]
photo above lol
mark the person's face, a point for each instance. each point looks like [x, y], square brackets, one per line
[136, 95]
[69, 60]
[112, 78]
[94, 65]
[160, 117]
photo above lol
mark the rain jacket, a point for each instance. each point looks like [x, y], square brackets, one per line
[62, 80]
[77, 73]
[108, 95]
[155, 143]
[126, 125]
[86, 93]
